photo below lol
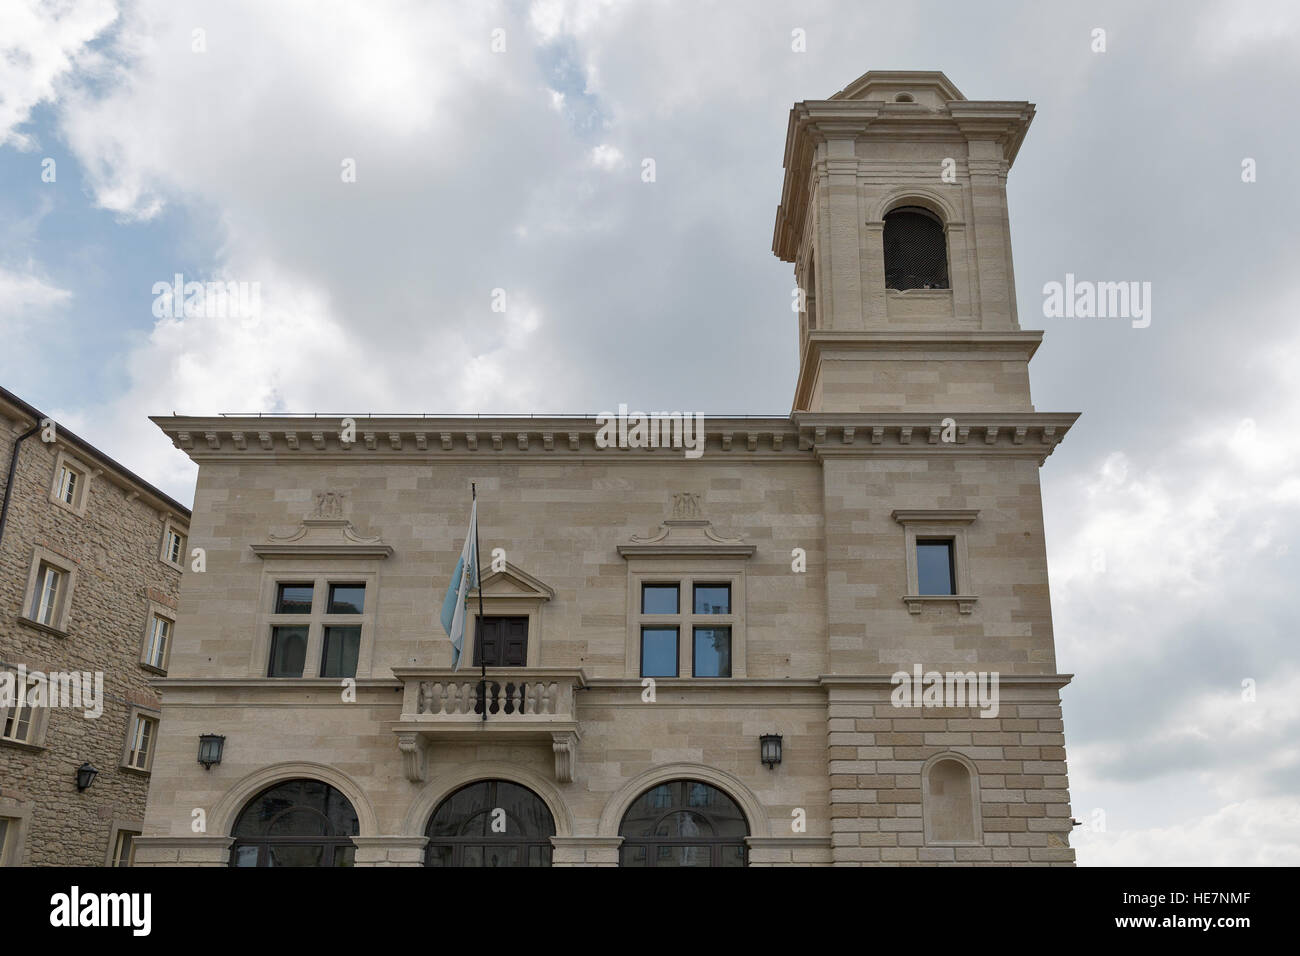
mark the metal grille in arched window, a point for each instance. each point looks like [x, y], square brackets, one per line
[296, 823]
[490, 823]
[683, 823]
[916, 254]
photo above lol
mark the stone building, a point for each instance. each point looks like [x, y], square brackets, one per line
[654, 617]
[90, 570]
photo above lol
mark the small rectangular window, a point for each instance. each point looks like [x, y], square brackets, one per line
[142, 737]
[175, 547]
[659, 599]
[658, 652]
[4, 837]
[68, 485]
[159, 638]
[713, 599]
[347, 599]
[16, 723]
[712, 652]
[49, 583]
[122, 849]
[342, 647]
[288, 651]
[935, 572]
[293, 599]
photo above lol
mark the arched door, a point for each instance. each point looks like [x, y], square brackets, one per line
[296, 823]
[683, 823]
[490, 823]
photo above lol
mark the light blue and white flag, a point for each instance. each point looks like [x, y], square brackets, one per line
[464, 578]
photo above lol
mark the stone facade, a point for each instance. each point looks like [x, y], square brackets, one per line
[911, 424]
[110, 540]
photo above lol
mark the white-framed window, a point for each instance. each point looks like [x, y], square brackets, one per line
[141, 740]
[158, 639]
[22, 723]
[50, 585]
[49, 588]
[688, 624]
[316, 625]
[68, 478]
[173, 544]
[18, 723]
[15, 820]
[123, 847]
[70, 483]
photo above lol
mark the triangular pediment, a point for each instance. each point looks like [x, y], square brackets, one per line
[514, 582]
[927, 87]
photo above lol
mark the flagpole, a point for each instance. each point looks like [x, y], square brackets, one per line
[478, 631]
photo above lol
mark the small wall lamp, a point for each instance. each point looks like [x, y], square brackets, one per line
[210, 747]
[769, 749]
[86, 774]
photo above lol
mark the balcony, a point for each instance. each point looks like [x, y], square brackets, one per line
[523, 704]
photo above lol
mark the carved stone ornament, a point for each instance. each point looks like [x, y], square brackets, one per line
[683, 536]
[323, 535]
[565, 746]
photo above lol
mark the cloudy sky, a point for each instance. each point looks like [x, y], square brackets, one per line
[1170, 509]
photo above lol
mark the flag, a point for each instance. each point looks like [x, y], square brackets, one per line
[464, 578]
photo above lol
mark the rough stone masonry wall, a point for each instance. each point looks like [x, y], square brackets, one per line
[115, 546]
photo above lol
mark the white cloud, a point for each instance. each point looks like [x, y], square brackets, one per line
[606, 157]
[40, 42]
[1257, 832]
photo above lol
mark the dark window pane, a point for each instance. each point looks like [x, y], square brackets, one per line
[347, 598]
[298, 854]
[288, 651]
[246, 856]
[733, 855]
[633, 856]
[713, 599]
[461, 833]
[712, 652]
[293, 599]
[934, 570]
[916, 253]
[659, 652]
[342, 646]
[658, 599]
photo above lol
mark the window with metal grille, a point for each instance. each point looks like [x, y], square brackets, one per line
[916, 255]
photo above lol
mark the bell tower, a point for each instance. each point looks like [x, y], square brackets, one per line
[894, 214]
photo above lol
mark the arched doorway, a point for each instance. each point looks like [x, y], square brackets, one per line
[295, 823]
[683, 823]
[490, 823]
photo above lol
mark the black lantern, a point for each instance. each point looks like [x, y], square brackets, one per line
[769, 749]
[210, 747]
[86, 774]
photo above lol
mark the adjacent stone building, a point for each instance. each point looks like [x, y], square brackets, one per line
[90, 569]
[692, 648]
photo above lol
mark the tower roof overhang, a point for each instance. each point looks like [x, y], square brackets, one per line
[867, 108]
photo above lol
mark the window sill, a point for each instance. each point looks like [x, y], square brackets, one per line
[166, 562]
[21, 745]
[78, 510]
[38, 626]
[965, 602]
[136, 771]
[160, 671]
